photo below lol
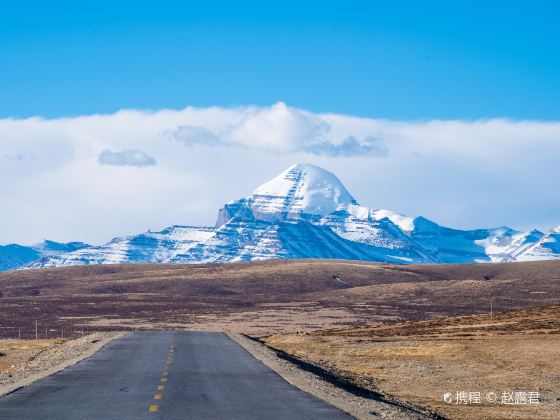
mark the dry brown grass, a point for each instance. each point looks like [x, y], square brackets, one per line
[420, 361]
[15, 352]
[265, 297]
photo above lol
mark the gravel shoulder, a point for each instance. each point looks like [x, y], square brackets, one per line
[31, 361]
[361, 407]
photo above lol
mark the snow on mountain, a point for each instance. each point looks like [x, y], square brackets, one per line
[48, 248]
[305, 212]
[405, 223]
[382, 233]
[447, 245]
[146, 247]
[15, 256]
[547, 247]
[246, 240]
[300, 191]
[505, 244]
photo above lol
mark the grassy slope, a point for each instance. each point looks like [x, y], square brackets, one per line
[264, 297]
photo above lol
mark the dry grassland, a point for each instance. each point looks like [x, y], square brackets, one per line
[15, 352]
[419, 362]
[264, 297]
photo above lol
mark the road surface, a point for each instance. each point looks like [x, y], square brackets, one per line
[166, 375]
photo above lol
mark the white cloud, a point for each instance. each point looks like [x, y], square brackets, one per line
[126, 158]
[192, 135]
[281, 129]
[277, 129]
[461, 173]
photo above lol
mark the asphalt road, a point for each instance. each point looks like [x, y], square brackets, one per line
[166, 375]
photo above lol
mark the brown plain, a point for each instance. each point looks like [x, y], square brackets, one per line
[262, 298]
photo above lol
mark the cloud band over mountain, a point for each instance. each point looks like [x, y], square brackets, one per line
[462, 173]
[280, 129]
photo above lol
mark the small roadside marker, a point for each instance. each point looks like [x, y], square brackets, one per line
[158, 396]
[154, 408]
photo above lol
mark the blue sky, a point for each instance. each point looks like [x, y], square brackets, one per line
[404, 60]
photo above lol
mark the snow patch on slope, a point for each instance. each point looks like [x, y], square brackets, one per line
[406, 223]
[546, 248]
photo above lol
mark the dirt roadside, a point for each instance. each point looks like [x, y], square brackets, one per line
[360, 407]
[474, 368]
[26, 361]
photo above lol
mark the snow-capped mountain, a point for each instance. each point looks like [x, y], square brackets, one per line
[542, 248]
[15, 256]
[300, 192]
[305, 212]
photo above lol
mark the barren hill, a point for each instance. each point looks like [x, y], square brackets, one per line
[265, 297]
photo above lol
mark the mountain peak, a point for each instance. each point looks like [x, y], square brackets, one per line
[305, 212]
[300, 189]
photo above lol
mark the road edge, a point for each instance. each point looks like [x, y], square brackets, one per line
[9, 388]
[360, 407]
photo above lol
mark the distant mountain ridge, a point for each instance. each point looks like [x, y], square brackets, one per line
[305, 212]
[15, 256]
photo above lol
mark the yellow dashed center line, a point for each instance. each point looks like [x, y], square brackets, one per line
[154, 407]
